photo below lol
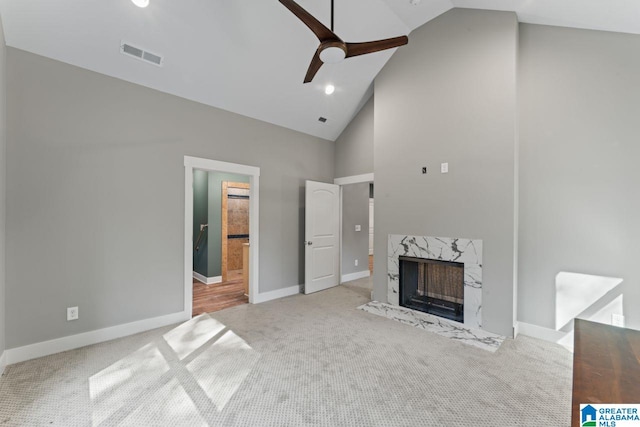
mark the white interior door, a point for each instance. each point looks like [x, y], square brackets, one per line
[322, 236]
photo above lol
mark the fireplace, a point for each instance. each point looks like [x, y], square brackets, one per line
[432, 286]
[465, 252]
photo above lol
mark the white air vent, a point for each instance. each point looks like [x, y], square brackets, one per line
[141, 54]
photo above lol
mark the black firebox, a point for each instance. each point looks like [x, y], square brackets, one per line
[432, 286]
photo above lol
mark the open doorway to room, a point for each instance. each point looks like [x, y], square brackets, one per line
[221, 240]
[356, 253]
[220, 230]
[371, 228]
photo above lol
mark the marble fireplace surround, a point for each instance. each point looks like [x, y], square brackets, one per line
[467, 251]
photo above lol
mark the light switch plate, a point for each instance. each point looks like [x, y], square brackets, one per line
[358, 228]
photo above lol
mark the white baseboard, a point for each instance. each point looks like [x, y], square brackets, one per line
[516, 330]
[45, 348]
[278, 293]
[3, 361]
[540, 332]
[547, 334]
[353, 276]
[207, 280]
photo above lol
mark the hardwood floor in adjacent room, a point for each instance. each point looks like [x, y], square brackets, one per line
[209, 298]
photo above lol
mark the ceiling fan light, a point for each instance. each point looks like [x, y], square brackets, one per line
[141, 3]
[332, 55]
[329, 89]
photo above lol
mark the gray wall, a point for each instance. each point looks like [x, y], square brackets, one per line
[215, 219]
[355, 244]
[95, 195]
[449, 96]
[354, 147]
[579, 201]
[200, 216]
[3, 144]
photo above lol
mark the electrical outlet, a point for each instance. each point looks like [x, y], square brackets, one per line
[617, 320]
[72, 313]
[356, 263]
[358, 228]
[444, 167]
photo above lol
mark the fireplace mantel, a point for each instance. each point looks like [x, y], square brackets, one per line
[466, 251]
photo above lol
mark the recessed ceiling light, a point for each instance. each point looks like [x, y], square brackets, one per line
[329, 89]
[141, 3]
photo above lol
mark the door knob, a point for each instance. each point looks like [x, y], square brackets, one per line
[308, 243]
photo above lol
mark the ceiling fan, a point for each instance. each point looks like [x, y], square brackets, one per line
[332, 49]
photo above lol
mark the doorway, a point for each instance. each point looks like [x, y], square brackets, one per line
[221, 236]
[371, 228]
[204, 235]
[356, 223]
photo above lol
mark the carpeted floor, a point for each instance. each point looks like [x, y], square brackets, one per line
[312, 360]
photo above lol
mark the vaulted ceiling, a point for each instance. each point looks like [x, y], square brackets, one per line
[250, 56]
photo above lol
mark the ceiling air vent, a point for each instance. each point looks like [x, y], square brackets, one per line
[322, 119]
[141, 54]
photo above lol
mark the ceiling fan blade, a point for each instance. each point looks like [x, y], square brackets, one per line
[318, 28]
[355, 49]
[315, 65]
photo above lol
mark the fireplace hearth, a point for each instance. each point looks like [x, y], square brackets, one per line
[461, 251]
[432, 286]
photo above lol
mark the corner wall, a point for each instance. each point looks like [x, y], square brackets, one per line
[200, 216]
[450, 96]
[579, 103]
[95, 196]
[3, 177]
[354, 147]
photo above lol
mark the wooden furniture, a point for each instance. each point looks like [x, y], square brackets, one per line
[245, 267]
[235, 223]
[606, 366]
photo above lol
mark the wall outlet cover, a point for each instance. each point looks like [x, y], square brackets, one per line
[358, 228]
[72, 313]
[444, 168]
[617, 320]
[356, 263]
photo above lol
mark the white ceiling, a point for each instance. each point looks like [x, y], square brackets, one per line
[250, 56]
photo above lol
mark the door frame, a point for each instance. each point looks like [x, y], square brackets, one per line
[346, 180]
[191, 163]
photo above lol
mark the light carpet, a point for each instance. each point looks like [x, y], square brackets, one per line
[313, 360]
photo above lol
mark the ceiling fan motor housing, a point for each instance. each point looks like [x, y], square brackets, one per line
[332, 52]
